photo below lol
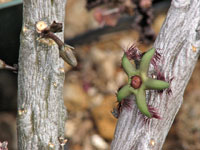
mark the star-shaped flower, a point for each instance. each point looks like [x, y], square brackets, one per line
[138, 82]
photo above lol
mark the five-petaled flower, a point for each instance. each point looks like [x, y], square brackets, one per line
[138, 82]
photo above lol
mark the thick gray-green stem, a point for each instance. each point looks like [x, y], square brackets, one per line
[179, 45]
[41, 110]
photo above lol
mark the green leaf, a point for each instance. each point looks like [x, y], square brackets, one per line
[141, 103]
[156, 84]
[146, 59]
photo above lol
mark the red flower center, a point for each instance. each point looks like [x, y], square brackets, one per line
[136, 82]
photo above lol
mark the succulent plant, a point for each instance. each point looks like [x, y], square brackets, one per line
[138, 82]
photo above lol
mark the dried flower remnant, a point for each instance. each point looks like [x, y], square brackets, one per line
[56, 27]
[65, 51]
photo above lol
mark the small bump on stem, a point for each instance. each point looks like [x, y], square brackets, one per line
[40, 26]
[51, 145]
[62, 141]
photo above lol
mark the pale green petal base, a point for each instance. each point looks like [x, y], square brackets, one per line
[156, 84]
[129, 68]
[123, 93]
[141, 103]
[146, 59]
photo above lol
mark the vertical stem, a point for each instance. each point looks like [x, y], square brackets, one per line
[175, 44]
[42, 114]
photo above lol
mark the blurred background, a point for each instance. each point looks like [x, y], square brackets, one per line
[100, 30]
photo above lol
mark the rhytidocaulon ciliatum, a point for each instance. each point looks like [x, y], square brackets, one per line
[138, 81]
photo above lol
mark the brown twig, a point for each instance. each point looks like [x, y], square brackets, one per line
[65, 50]
[3, 65]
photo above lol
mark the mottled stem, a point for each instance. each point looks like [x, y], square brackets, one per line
[41, 111]
[176, 41]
